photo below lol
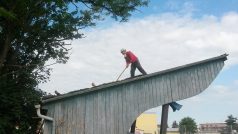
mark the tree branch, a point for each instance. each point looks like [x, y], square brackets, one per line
[24, 67]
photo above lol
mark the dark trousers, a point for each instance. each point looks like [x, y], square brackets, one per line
[137, 65]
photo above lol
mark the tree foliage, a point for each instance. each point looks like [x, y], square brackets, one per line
[231, 123]
[187, 126]
[33, 32]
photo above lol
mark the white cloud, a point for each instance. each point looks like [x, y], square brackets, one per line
[160, 42]
[173, 5]
[213, 105]
[236, 82]
[188, 7]
[226, 94]
[184, 8]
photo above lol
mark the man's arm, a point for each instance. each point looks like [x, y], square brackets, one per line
[128, 61]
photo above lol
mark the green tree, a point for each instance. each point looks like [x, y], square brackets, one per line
[231, 123]
[33, 32]
[187, 126]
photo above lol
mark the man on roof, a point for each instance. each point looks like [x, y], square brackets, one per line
[134, 61]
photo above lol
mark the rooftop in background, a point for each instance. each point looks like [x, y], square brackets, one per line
[211, 127]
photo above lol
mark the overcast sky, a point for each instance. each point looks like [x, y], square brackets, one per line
[166, 34]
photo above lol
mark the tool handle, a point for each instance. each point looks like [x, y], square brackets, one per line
[121, 73]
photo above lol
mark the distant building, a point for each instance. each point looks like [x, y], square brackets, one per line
[172, 131]
[211, 128]
[146, 123]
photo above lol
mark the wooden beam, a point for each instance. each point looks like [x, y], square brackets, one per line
[164, 119]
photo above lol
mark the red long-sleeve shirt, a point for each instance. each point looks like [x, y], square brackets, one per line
[130, 57]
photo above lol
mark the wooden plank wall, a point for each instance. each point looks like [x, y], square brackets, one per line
[113, 110]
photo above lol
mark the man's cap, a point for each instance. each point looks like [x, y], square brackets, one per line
[123, 50]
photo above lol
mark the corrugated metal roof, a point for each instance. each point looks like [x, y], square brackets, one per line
[141, 77]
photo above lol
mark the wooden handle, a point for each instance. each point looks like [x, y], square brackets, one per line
[121, 74]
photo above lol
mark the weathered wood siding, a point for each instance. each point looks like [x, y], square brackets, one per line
[113, 109]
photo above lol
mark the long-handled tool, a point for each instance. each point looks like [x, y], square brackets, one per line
[121, 73]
